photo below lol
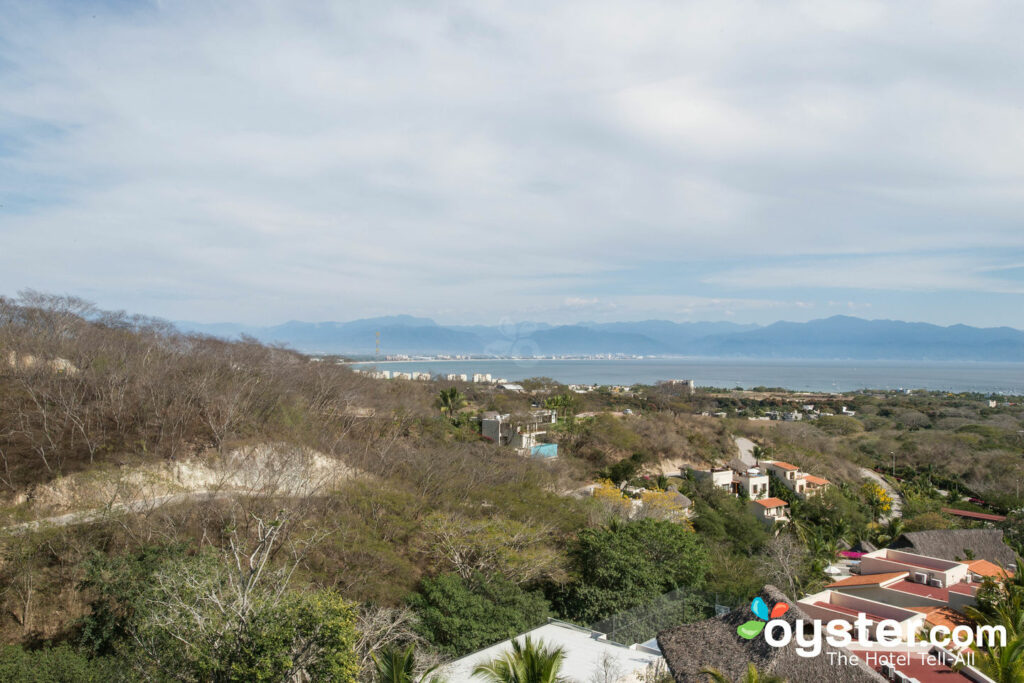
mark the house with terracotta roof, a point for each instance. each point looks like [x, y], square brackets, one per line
[815, 485]
[770, 510]
[983, 569]
[737, 479]
[802, 484]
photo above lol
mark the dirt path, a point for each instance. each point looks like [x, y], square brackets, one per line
[139, 506]
[897, 500]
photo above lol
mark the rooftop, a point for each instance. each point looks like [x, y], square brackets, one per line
[868, 579]
[848, 611]
[921, 589]
[986, 568]
[942, 616]
[925, 670]
[817, 481]
[771, 502]
[714, 642]
[971, 514]
[784, 465]
[585, 651]
[954, 544]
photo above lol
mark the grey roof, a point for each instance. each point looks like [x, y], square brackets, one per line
[715, 643]
[682, 500]
[863, 546]
[953, 544]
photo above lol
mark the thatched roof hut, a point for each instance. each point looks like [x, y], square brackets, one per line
[957, 544]
[863, 546]
[714, 643]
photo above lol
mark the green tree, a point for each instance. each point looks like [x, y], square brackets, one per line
[450, 401]
[222, 616]
[395, 665]
[1001, 603]
[876, 498]
[60, 664]
[752, 675]
[564, 404]
[528, 662]
[196, 622]
[117, 584]
[1003, 664]
[460, 615]
[627, 564]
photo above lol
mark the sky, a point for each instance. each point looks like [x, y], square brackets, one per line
[481, 161]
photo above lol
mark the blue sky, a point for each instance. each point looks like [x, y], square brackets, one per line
[484, 161]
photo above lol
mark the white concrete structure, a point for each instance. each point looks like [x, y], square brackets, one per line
[829, 605]
[589, 655]
[752, 482]
[925, 570]
[770, 510]
[521, 434]
[802, 484]
[720, 477]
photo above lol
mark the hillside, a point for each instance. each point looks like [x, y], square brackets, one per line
[149, 477]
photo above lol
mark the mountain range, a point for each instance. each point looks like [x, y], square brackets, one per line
[838, 337]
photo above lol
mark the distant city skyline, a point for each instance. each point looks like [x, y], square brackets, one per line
[258, 162]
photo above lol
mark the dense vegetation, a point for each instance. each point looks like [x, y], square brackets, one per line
[228, 510]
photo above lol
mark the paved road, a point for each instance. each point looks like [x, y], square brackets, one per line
[897, 500]
[746, 448]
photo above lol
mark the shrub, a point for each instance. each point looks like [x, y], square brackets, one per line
[460, 615]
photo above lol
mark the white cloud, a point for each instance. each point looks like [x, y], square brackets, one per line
[259, 161]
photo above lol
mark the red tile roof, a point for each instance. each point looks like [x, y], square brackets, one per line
[817, 481]
[921, 589]
[921, 668]
[848, 611]
[971, 514]
[784, 465]
[943, 616]
[772, 502]
[867, 579]
[986, 568]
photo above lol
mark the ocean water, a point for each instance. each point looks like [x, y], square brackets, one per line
[797, 375]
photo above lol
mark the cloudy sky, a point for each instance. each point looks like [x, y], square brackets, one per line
[484, 160]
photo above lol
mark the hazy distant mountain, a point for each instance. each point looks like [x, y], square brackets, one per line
[670, 334]
[577, 339]
[844, 337]
[839, 337]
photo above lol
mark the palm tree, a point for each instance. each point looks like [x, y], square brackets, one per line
[889, 532]
[752, 676]
[528, 662]
[397, 666]
[450, 401]
[1003, 664]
